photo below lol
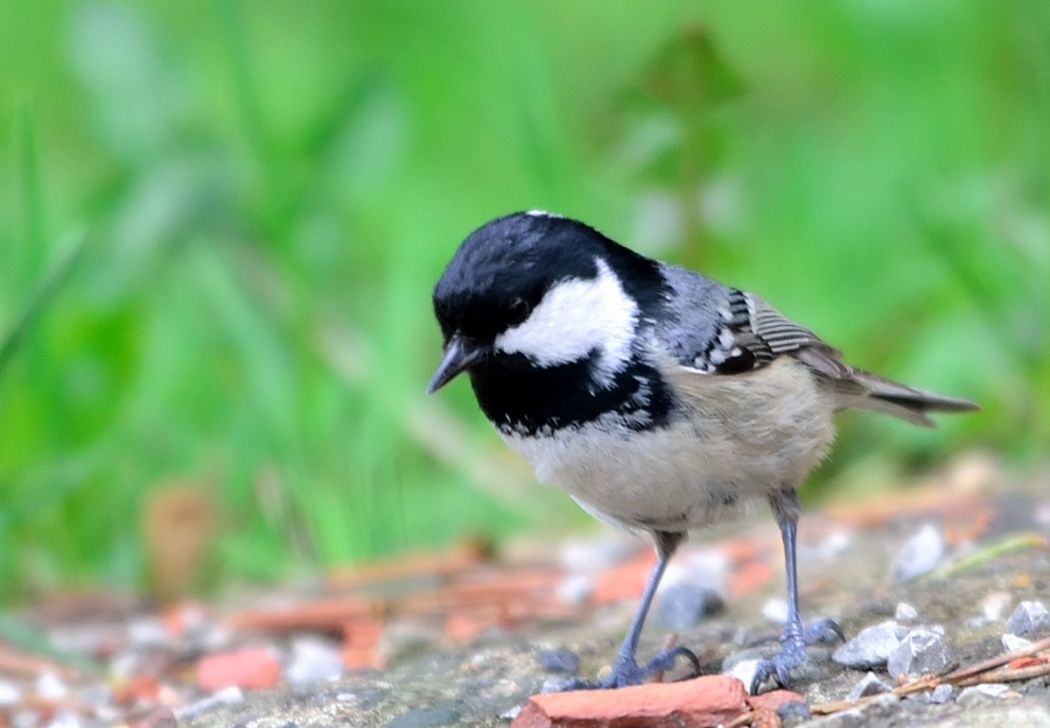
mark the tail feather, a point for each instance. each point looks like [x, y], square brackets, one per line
[872, 392]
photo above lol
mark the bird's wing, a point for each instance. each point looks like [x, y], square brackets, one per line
[751, 334]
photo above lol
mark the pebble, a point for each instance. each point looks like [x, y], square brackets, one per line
[1013, 643]
[65, 719]
[941, 694]
[744, 671]
[870, 684]
[50, 687]
[1028, 618]
[226, 696]
[425, 718]
[996, 691]
[511, 713]
[9, 694]
[558, 661]
[148, 632]
[994, 606]
[921, 652]
[313, 661]
[776, 611]
[710, 568]
[905, 613]
[575, 589]
[871, 647]
[556, 684]
[920, 554]
[686, 604]
[593, 555]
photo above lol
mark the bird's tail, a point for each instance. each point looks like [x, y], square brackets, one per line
[883, 395]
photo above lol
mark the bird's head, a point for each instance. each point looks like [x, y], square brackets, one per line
[540, 289]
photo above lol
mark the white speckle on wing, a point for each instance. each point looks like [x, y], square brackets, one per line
[576, 317]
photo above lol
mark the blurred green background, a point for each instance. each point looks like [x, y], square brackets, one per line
[220, 223]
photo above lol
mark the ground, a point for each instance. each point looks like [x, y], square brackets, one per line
[465, 639]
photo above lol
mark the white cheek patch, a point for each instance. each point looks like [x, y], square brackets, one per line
[574, 318]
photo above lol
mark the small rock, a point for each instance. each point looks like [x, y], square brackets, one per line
[556, 685]
[994, 606]
[996, 691]
[871, 647]
[941, 694]
[870, 684]
[1013, 643]
[226, 696]
[148, 632]
[707, 700]
[710, 568]
[425, 718]
[313, 661]
[511, 713]
[921, 652]
[9, 694]
[778, 700]
[575, 589]
[906, 613]
[559, 661]
[65, 719]
[1028, 618]
[684, 605]
[50, 687]
[250, 669]
[592, 555]
[744, 671]
[920, 554]
[776, 611]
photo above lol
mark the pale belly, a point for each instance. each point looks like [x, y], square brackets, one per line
[740, 438]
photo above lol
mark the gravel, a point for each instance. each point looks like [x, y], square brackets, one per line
[558, 661]
[1029, 617]
[922, 652]
[870, 684]
[684, 605]
[871, 647]
[1013, 643]
[941, 694]
[905, 613]
[920, 554]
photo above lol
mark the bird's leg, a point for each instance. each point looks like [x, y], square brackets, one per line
[626, 670]
[793, 640]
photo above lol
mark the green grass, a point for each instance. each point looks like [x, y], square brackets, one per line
[220, 223]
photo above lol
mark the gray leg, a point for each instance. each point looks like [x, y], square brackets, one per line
[626, 671]
[787, 508]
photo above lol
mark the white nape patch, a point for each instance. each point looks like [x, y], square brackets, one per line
[543, 213]
[575, 317]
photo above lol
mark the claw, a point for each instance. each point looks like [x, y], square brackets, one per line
[823, 631]
[626, 673]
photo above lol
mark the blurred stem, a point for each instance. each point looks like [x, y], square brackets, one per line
[40, 299]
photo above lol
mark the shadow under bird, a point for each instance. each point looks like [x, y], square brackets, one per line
[659, 399]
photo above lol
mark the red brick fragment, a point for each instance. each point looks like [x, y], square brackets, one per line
[775, 699]
[711, 700]
[249, 669]
[625, 581]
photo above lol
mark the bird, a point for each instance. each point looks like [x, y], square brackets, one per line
[659, 399]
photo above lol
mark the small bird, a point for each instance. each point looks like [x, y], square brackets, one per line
[658, 399]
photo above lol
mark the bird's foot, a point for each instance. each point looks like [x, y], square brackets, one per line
[793, 651]
[628, 672]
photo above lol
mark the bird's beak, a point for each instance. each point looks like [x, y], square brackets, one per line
[460, 354]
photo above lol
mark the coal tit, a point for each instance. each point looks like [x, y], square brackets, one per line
[659, 399]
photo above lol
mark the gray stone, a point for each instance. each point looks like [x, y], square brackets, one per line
[313, 661]
[226, 696]
[511, 713]
[905, 613]
[870, 648]
[684, 605]
[870, 684]
[920, 554]
[1013, 643]
[1029, 617]
[776, 611]
[941, 694]
[425, 718]
[557, 684]
[559, 661]
[984, 691]
[922, 652]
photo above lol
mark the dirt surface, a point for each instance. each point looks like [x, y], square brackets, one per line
[994, 557]
[942, 590]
